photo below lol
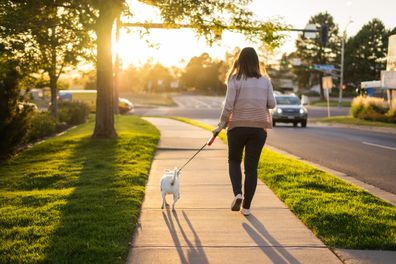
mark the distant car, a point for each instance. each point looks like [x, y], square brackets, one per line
[85, 96]
[289, 110]
[89, 97]
[22, 105]
[125, 106]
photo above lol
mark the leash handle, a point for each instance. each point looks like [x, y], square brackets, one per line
[210, 141]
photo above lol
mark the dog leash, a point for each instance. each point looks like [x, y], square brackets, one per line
[208, 143]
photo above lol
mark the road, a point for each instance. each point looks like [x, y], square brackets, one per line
[365, 155]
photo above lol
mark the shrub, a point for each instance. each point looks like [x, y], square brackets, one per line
[377, 105]
[14, 116]
[357, 106]
[372, 108]
[391, 115]
[73, 113]
[42, 125]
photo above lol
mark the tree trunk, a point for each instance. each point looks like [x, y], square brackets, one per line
[321, 86]
[104, 126]
[54, 94]
[321, 61]
[117, 68]
[53, 81]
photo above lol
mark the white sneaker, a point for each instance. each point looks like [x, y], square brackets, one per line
[245, 212]
[236, 203]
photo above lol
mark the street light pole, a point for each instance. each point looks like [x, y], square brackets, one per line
[342, 70]
[342, 63]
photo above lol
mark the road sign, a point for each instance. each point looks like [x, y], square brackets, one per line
[391, 58]
[388, 79]
[327, 82]
[310, 35]
[324, 67]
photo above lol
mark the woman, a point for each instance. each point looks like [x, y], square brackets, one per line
[246, 114]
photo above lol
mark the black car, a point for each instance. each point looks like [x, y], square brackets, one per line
[289, 110]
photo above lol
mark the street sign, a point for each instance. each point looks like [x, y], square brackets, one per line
[324, 67]
[296, 61]
[327, 82]
[391, 58]
[310, 35]
[370, 84]
[388, 79]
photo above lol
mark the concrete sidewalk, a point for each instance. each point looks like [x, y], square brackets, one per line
[204, 229]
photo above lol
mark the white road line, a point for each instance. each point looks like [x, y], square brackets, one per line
[377, 145]
[201, 102]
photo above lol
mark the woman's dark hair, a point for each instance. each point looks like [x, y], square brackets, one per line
[246, 66]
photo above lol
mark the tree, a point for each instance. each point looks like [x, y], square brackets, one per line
[365, 53]
[202, 73]
[49, 34]
[311, 51]
[209, 18]
[160, 78]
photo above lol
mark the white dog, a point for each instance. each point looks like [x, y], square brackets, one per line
[170, 185]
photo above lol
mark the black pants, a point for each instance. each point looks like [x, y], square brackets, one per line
[251, 139]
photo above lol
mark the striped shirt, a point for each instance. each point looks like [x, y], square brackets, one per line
[247, 103]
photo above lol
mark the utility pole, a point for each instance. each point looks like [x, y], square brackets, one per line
[342, 63]
[342, 70]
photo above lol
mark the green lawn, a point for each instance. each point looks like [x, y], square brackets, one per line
[149, 99]
[71, 199]
[332, 103]
[340, 214]
[350, 120]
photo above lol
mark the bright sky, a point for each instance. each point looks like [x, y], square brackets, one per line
[174, 46]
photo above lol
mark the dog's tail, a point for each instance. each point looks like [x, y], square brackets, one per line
[174, 176]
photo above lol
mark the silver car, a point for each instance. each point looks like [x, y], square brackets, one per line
[289, 110]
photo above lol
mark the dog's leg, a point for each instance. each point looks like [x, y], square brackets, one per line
[163, 200]
[175, 198]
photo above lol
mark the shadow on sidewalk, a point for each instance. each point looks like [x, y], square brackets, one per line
[267, 243]
[195, 252]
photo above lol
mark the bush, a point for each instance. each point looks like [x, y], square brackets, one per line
[73, 113]
[41, 125]
[391, 115]
[14, 116]
[357, 106]
[372, 108]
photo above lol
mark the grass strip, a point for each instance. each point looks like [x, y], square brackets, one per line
[339, 213]
[350, 120]
[332, 103]
[72, 199]
[150, 99]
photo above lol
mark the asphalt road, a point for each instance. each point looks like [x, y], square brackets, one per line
[366, 155]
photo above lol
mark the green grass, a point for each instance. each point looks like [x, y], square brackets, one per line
[340, 214]
[72, 199]
[333, 103]
[149, 99]
[350, 120]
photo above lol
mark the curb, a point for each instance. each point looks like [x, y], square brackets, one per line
[387, 130]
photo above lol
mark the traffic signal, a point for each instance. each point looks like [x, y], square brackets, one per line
[324, 34]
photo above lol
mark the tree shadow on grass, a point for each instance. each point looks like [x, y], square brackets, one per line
[96, 221]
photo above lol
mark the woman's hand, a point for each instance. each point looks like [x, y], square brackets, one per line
[216, 130]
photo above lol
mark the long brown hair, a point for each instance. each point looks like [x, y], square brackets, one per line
[246, 66]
